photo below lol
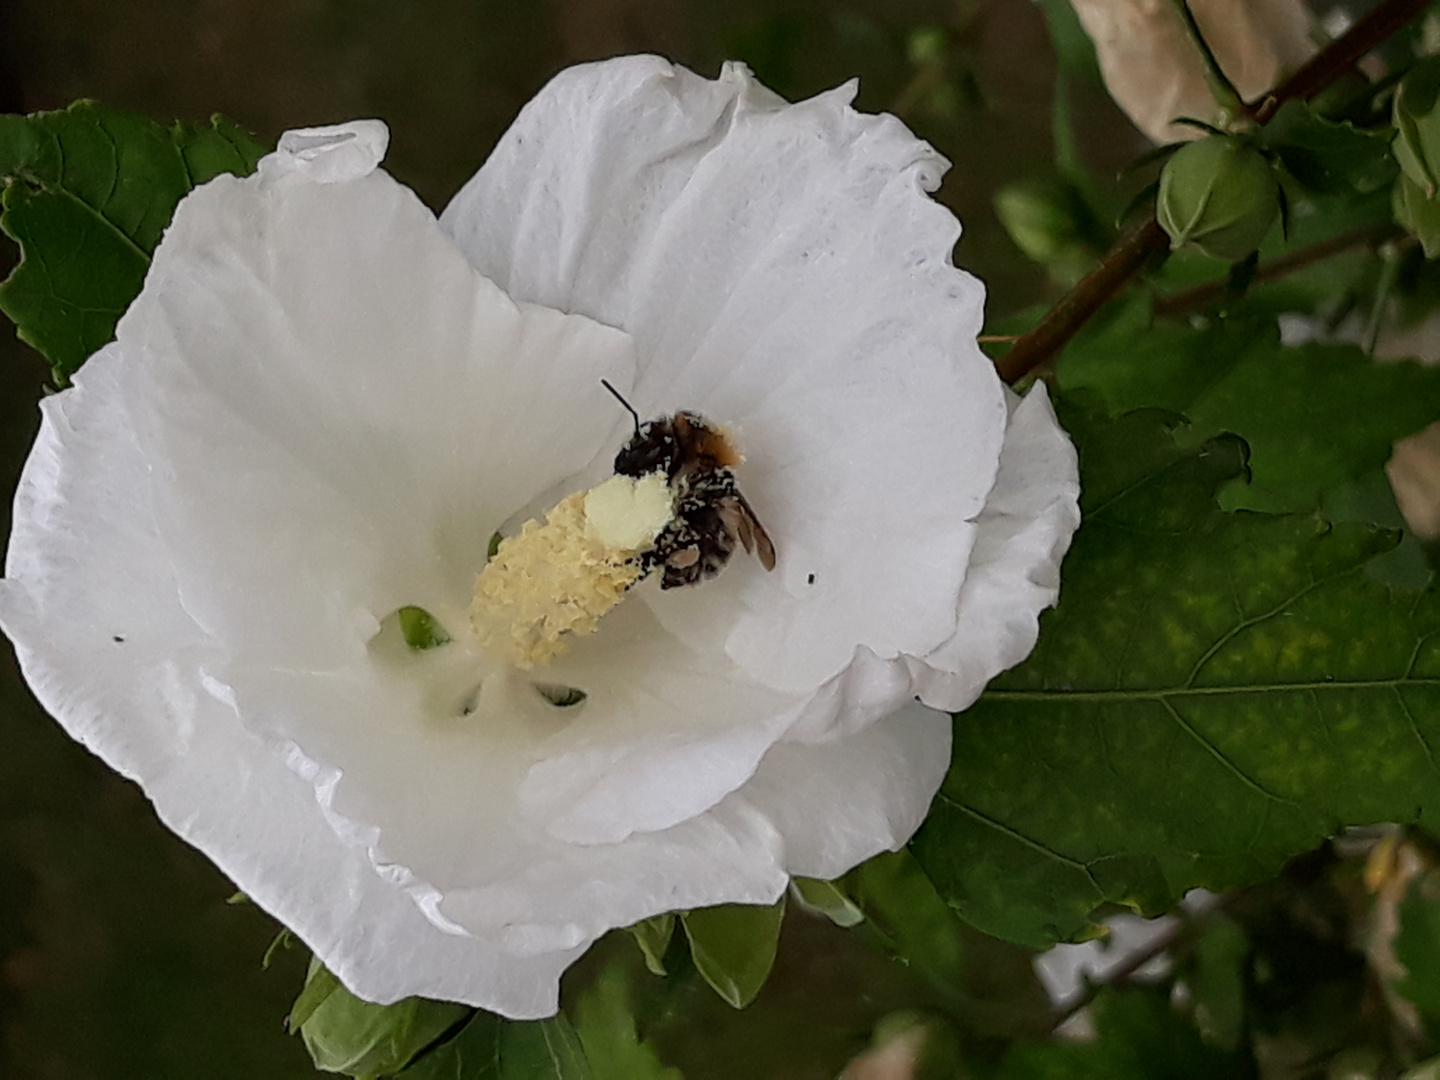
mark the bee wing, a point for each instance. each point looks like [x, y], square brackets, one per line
[752, 534]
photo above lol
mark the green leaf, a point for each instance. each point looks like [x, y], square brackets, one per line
[734, 947]
[653, 937]
[1138, 1037]
[473, 1054]
[605, 1023]
[829, 899]
[1215, 693]
[217, 149]
[1053, 225]
[1417, 125]
[490, 1047]
[89, 190]
[896, 896]
[1328, 157]
[1217, 983]
[347, 1035]
[542, 1050]
[1073, 47]
[1417, 947]
[1370, 500]
[1418, 214]
[1313, 416]
[320, 983]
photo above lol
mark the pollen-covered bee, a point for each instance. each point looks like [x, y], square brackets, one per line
[711, 515]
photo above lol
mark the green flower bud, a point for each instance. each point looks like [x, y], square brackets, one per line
[1049, 223]
[1417, 126]
[1037, 218]
[1219, 194]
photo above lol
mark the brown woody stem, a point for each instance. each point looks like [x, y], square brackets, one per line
[1073, 311]
[1202, 296]
[1183, 930]
[1340, 56]
[1148, 240]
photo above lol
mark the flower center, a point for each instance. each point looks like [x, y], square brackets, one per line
[555, 579]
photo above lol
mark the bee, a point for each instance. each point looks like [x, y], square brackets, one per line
[711, 516]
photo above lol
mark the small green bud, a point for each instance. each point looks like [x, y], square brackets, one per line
[1037, 218]
[1049, 223]
[1417, 126]
[1219, 194]
[927, 46]
[421, 629]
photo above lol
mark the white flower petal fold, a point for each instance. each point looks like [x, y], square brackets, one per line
[1156, 74]
[325, 402]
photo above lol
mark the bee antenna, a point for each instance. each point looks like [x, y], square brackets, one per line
[620, 398]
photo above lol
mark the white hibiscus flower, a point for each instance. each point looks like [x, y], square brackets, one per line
[325, 402]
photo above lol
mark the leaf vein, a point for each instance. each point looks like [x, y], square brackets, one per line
[95, 213]
[1132, 487]
[1314, 700]
[1246, 624]
[1220, 756]
[1415, 729]
[1021, 838]
[1415, 656]
[1181, 692]
[114, 165]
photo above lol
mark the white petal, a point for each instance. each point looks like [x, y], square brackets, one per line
[435, 809]
[810, 810]
[1154, 72]
[1015, 569]
[730, 855]
[869, 688]
[782, 270]
[317, 365]
[838, 804]
[319, 410]
[91, 607]
[667, 732]
[327, 155]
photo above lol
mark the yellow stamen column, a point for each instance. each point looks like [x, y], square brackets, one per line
[557, 578]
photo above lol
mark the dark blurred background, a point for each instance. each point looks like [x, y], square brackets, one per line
[118, 954]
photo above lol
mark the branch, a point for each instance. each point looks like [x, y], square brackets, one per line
[1148, 240]
[1065, 319]
[1186, 927]
[1340, 56]
[1202, 296]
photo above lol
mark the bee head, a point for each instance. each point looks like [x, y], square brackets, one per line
[653, 448]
